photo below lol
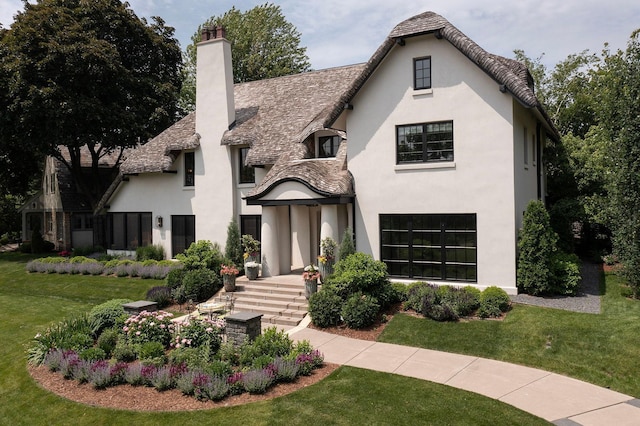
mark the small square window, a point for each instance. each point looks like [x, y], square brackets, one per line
[422, 73]
[328, 146]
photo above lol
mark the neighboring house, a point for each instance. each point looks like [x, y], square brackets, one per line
[63, 213]
[430, 152]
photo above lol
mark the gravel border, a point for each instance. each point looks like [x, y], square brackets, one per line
[587, 300]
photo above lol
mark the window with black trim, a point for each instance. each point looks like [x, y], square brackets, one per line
[183, 233]
[251, 224]
[429, 246]
[422, 73]
[129, 231]
[247, 173]
[425, 142]
[189, 169]
[328, 146]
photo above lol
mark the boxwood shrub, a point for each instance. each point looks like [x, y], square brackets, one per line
[493, 302]
[325, 308]
[360, 310]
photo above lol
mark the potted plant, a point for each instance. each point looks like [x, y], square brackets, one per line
[251, 248]
[310, 277]
[251, 270]
[327, 257]
[229, 273]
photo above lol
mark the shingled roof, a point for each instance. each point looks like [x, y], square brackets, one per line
[272, 115]
[510, 74]
[159, 153]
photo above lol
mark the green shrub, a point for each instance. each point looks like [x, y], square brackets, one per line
[359, 273]
[191, 357]
[149, 327]
[71, 333]
[272, 342]
[175, 277]
[107, 314]
[493, 302]
[416, 292]
[401, 291]
[324, 308]
[82, 259]
[200, 333]
[219, 368]
[536, 247]
[463, 301]
[124, 351]
[201, 284]
[565, 270]
[360, 310]
[202, 255]
[93, 354]
[108, 341]
[152, 252]
[233, 247]
[150, 350]
[347, 247]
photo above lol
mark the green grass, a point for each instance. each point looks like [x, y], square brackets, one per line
[601, 349]
[31, 302]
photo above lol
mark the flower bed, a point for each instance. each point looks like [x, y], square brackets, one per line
[148, 269]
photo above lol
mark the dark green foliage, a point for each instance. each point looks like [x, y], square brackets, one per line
[233, 247]
[401, 291]
[444, 303]
[360, 310]
[153, 252]
[566, 273]
[124, 351]
[150, 350]
[536, 248]
[37, 242]
[108, 341]
[273, 342]
[494, 301]
[200, 284]
[175, 277]
[202, 254]
[463, 301]
[93, 354]
[161, 295]
[325, 308]
[359, 273]
[347, 247]
[107, 314]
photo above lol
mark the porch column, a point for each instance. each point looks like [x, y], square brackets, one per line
[300, 237]
[329, 222]
[269, 244]
[284, 242]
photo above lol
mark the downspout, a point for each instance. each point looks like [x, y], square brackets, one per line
[539, 161]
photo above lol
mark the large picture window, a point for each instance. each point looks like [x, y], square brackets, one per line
[430, 246]
[183, 233]
[130, 230]
[425, 142]
[422, 73]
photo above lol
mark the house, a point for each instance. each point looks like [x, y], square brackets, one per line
[430, 152]
[61, 211]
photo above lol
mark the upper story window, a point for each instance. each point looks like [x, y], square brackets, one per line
[328, 146]
[247, 173]
[525, 147]
[422, 73]
[425, 143]
[189, 169]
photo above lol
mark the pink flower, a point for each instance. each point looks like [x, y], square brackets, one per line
[162, 326]
[177, 345]
[125, 328]
[209, 330]
[137, 333]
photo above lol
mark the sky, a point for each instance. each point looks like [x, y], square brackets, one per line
[345, 32]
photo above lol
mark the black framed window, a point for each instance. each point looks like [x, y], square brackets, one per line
[129, 231]
[189, 169]
[80, 221]
[430, 246]
[251, 224]
[183, 233]
[328, 146]
[424, 142]
[247, 173]
[422, 73]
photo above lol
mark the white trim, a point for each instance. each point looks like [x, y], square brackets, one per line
[422, 92]
[425, 166]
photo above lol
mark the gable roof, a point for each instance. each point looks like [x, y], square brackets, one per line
[273, 114]
[511, 75]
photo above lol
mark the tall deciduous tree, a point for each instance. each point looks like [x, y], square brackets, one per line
[263, 45]
[84, 74]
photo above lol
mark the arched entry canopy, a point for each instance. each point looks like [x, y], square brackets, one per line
[303, 202]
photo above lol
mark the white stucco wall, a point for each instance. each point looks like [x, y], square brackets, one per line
[480, 180]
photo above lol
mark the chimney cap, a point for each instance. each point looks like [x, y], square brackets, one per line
[211, 32]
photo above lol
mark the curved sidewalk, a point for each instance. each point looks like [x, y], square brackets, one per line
[558, 399]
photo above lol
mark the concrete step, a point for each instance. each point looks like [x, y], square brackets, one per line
[281, 304]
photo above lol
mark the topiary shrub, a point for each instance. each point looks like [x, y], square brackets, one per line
[201, 284]
[359, 272]
[324, 308]
[536, 248]
[233, 246]
[360, 310]
[107, 314]
[493, 302]
[161, 295]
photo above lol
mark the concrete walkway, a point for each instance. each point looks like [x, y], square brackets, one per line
[558, 399]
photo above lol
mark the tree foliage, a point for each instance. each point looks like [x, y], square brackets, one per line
[263, 45]
[83, 74]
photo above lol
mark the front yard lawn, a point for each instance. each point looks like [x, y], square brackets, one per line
[601, 349]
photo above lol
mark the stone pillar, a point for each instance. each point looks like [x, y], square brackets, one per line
[300, 237]
[329, 219]
[270, 253]
[242, 325]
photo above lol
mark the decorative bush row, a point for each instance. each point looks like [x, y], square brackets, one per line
[107, 348]
[148, 269]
